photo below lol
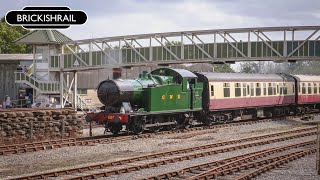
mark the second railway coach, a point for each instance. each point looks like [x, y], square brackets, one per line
[233, 94]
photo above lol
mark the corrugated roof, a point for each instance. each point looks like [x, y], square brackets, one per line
[16, 57]
[310, 78]
[212, 76]
[43, 37]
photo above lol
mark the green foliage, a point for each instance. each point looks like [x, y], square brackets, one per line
[249, 67]
[172, 43]
[8, 34]
[299, 67]
[224, 68]
[303, 67]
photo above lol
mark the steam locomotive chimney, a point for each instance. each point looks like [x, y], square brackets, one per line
[116, 73]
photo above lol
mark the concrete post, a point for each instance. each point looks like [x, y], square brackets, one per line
[61, 89]
[61, 76]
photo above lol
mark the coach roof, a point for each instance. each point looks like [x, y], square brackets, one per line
[212, 76]
[307, 78]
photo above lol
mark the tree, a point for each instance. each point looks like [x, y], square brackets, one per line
[172, 43]
[249, 67]
[224, 68]
[8, 34]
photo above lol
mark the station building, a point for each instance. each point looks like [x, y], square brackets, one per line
[8, 65]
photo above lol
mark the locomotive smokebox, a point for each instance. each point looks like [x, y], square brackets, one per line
[116, 73]
[114, 92]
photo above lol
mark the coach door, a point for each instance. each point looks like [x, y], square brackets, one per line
[246, 93]
[191, 83]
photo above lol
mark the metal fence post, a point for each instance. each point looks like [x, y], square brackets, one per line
[63, 128]
[90, 132]
[31, 131]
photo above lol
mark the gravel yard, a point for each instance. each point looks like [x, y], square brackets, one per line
[69, 157]
[184, 164]
[304, 168]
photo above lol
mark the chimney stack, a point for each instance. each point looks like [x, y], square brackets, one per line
[116, 73]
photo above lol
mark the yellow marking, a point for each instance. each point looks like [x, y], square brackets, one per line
[163, 97]
[110, 117]
[171, 97]
[178, 96]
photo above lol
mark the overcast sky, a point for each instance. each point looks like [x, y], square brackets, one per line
[123, 17]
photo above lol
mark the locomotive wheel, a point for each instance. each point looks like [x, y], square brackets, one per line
[156, 128]
[115, 128]
[208, 121]
[173, 126]
[138, 125]
[187, 123]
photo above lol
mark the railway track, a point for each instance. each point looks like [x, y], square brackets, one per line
[227, 166]
[54, 144]
[164, 158]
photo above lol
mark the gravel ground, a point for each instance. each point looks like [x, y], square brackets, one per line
[184, 164]
[179, 155]
[304, 168]
[70, 157]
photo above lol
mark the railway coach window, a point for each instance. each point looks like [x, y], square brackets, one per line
[212, 90]
[281, 88]
[264, 89]
[269, 89]
[285, 88]
[252, 89]
[309, 88]
[315, 88]
[274, 89]
[258, 89]
[293, 89]
[226, 89]
[237, 91]
[244, 89]
[303, 88]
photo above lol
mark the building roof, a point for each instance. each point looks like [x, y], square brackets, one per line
[16, 57]
[43, 37]
[212, 76]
